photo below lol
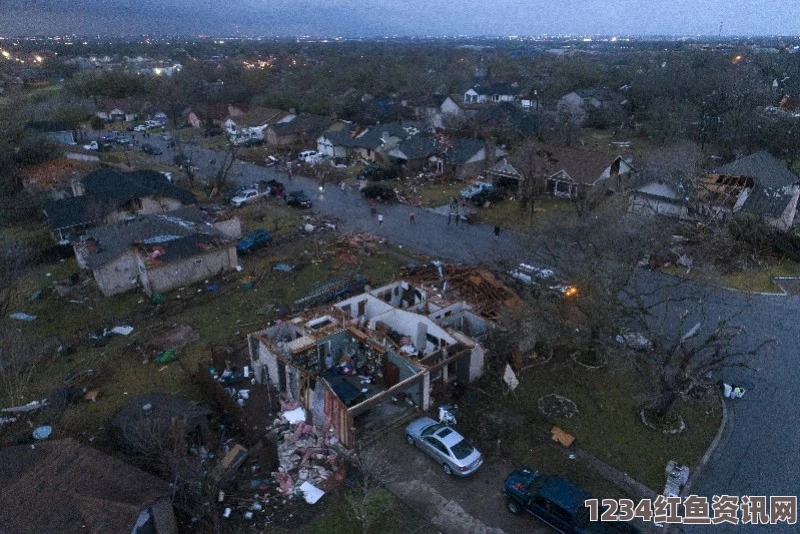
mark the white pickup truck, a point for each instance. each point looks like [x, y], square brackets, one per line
[97, 145]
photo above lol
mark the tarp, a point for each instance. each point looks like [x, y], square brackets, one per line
[311, 493]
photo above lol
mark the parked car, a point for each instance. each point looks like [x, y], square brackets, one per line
[97, 145]
[269, 161]
[123, 140]
[253, 240]
[109, 138]
[555, 501]
[487, 195]
[129, 128]
[147, 148]
[378, 172]
[540, 278]
[633, 340]
[307, 155]
[245, 197]
[298, 199]
[441, 442]
[273, 187]
[379, 193]
[165, 137]
[475, 188]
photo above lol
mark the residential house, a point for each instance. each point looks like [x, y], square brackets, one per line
[253, 117]
[56, 131]
[378, 141]
[155, 252]
[503, 174]
[303, 130]
[65, 486]
[757, 184]
[202, 115]
[491, 92]
[464, 158]
[415, 152]
[658, 197]
[437, 110]
[368, 361]
[577, 105]
[109, 195]
[123, 109]
[572, 172]
[336, 144]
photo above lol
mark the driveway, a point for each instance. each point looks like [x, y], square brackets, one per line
[757, 455]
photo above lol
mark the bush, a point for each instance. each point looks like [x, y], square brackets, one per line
[763, 238]
[379, 193]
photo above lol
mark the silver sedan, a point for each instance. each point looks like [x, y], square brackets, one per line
[456, 455]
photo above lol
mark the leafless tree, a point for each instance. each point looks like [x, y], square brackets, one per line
[371, 501]
[184, 159]
[19, 359]
[228, 159]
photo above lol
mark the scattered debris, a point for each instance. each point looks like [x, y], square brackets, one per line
[91, 395]
[562, 437]
[122, 330]
[168, 356]
[226, 469]
[19, 316]
[7, 420]
[284, 267]
[510, 378]
[42, 432]
[30, 407]
[330, 290]
[297, 415]
[361, 244]
[677, 477]
[311, 493]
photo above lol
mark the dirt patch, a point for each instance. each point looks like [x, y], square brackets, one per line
[175, 338]
[557, 406]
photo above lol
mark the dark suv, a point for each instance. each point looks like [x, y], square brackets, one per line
[555, 501]
[298, 199]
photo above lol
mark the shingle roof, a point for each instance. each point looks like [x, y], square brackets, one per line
[461, 150]
[419, 146]
[372, 137]
[108, 189]
[168, 230]
[766, 201]
[64, 486]
[505, 169]
[762, 168]
[583, 166]
[340, 138]
[312, 124]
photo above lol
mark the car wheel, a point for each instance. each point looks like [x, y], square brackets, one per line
[410, 440]
[513, 507]
[447, 470]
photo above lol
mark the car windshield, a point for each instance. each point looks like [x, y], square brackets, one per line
[462, 449]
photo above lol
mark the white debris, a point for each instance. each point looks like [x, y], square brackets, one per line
[298, 415]
[311, 493]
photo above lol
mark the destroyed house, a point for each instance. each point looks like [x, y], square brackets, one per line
[155, 252]
[371, 361]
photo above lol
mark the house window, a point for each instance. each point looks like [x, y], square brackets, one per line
[495, 98]
[562, 187]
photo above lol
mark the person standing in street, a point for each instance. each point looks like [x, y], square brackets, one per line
[343, 187]
[289, 173]
[380, 219]
[412, 218]
[496, 232]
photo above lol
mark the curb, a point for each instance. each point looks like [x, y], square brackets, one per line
[701, 465]
[781, 293]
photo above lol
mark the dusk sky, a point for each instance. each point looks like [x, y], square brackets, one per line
[368, 18]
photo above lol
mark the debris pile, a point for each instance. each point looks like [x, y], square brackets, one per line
[330, 290]
[360, 244]
[487, 295]
[318, 223]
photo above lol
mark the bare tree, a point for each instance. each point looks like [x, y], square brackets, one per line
[228, 159]
[371, 501]
[183, 160]
[19, 358]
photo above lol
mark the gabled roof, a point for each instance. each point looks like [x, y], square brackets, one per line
[259, 116]
[767, 201]
[505, 169]
[583, 166]
[213, 111]
[311, 124]
[339, 138]
[178, 233]
[419, 146]
[496, 89]
[600, 93]
[462, 150]
[64, 486]
[764, 169]
[108, 189]
[373, 137]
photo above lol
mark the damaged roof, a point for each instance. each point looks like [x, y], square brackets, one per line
[373, 137]
[768, 201]
[583, 166]
[312, 124]
[764, 169]
[169, 231]
[420, 146]
[64, 486]
[108, 189]
[462, 150]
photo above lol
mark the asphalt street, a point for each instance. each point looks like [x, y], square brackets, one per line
[757, 454]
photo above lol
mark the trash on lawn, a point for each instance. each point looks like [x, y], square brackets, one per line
[158, 298]
[677, 477]
[19, 316]
[562, 437]
[7, 420]
[91, 395]
[212, 288]
[43, 432]
[284, 267]
[295, 416]
[226, 469]
[510, 378]
[311, 493]
[227, 513]
[168, 356]
[122, 330]
[31, 406]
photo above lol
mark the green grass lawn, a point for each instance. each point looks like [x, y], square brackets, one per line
[760, 281]
[607, 424]
[435, 195]
[506, 214]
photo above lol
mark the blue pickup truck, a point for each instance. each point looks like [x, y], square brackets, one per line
[555, 501]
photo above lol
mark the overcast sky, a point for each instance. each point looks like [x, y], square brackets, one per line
[369, 18]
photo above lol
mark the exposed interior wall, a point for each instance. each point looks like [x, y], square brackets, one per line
[400, 294]
[408, 324]
[371, 305]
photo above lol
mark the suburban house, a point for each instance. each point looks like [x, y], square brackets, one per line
[415, 152]
[491, 92]
[202, 115]
[654, 196]
[464, 158]
[367, 362]
[301, 130]
[378, 141]
[757, 184]
[437, 110]
[580, 103]
[336, 144]
[109, 195]
[572, 172]
[64, 486]
[155, 252]
[503, 174]
[123, 109]
[254, 117]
